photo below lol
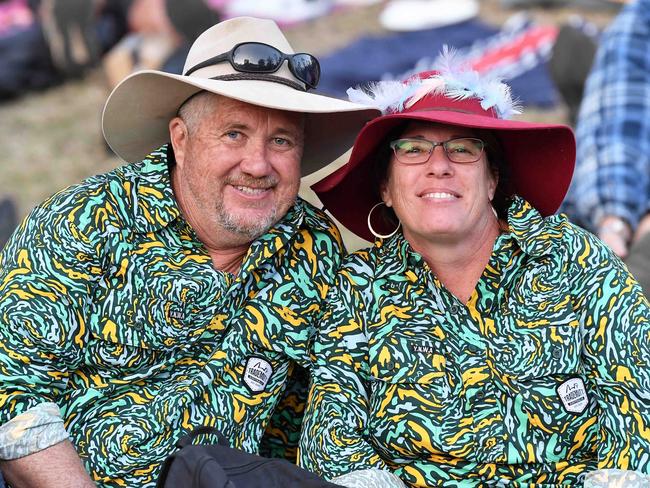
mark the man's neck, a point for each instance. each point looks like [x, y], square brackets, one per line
[228, 260]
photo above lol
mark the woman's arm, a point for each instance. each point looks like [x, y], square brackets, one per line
[615, 317]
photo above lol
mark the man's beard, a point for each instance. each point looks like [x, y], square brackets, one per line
[249, 228]
[244, 227]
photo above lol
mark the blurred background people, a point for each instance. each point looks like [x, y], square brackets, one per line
[610, 192]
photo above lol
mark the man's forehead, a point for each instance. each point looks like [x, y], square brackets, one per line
[238, 113]
[231, 109]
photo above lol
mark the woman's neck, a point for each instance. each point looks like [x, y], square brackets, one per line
[459, 264]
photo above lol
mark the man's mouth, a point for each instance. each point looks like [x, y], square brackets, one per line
[249, 190]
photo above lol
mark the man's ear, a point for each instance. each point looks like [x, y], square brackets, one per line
[179, 135]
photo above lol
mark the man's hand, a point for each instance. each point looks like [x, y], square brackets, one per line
[616, 233]
[58, 465]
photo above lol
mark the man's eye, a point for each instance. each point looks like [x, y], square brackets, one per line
[281, 141]
[233, 134]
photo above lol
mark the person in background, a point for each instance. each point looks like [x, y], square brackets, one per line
[178, 291]
[610, 192]
[482, 340]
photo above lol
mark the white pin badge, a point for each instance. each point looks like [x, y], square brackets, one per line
[257, 373]
[573, 395]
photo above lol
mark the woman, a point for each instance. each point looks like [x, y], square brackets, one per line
[482, 340]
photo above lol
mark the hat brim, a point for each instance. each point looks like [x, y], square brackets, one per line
[540, 158]
[137, 113]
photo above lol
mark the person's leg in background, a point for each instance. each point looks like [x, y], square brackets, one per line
[638, 260]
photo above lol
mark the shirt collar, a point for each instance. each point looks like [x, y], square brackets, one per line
[149, 182]
[527, 227]
[276, 237]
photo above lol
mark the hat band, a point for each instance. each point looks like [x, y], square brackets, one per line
[260, 77]
[440, 102]
[442, 109]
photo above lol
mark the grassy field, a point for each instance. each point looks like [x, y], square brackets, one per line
[52, 139]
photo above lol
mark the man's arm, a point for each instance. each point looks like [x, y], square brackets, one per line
[46, 271]
[58, 465]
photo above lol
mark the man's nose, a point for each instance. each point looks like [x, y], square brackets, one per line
[255, 160]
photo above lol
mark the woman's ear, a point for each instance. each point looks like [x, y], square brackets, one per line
[386, 197]
[493, 183]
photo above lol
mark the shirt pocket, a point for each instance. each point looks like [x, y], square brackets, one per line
[409, 392]
[130, 337]
[547, 360]
[529, 353]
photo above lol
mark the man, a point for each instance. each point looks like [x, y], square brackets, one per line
[177, 291]
[610, 192]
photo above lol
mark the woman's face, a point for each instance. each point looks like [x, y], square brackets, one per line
[440, 199]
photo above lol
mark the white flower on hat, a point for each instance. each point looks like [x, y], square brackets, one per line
[453, 80]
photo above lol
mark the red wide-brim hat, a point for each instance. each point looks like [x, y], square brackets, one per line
[540, 159]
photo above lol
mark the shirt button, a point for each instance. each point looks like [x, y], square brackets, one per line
[473, 349]
[480, 395]
[455, 309]
[556, 352]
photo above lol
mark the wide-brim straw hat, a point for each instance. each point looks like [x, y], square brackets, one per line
[540, 157]
[137, 112]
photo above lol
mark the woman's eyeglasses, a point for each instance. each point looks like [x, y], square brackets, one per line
[257, 57]
[458, 150]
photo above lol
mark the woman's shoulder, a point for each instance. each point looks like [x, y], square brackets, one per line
[550, 234]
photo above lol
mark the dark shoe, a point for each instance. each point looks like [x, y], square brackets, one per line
[8, 221]
[568, 71]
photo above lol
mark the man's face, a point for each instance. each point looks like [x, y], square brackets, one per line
[237, 169]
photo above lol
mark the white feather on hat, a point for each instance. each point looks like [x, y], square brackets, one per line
[453, 80]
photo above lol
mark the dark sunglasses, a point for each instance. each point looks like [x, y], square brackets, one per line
[256, 57]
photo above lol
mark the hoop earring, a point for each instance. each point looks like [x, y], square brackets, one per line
[373, 231]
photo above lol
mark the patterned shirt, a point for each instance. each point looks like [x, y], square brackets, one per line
[612, 175]
[110, 307]
[542, 375]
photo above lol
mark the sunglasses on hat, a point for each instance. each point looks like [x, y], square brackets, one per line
[257, 57]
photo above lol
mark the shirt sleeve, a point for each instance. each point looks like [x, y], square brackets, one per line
[615, 318]
[613, 129]
[36, 429]
[334, 438]
[45, 272]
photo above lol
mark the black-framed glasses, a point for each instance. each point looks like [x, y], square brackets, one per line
[257, 57]
[458, 150]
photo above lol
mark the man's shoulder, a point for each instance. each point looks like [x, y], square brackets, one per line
[98, 200]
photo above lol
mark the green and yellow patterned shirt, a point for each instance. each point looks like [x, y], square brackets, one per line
[542, 375]
[111, 309]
